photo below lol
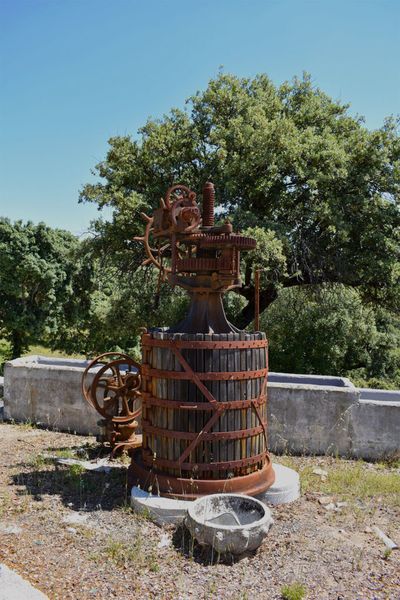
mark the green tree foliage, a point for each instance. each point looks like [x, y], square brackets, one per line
[122, 304]
[287, 159]
[315, 187]
[44, 287]
[329, 330]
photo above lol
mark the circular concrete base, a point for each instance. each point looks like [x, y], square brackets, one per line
[181, 488]
[167, 510]
[286, 487]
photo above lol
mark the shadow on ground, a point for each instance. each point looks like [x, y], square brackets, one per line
[77, 488]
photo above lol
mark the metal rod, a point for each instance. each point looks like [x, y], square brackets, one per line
[257, 300]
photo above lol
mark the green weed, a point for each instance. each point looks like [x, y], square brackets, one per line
[354, 481]
[38, 461]
[122, 555]
[293, 591]
[387, 553]
[65, 453]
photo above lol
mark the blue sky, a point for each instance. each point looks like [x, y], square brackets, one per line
[75, 72]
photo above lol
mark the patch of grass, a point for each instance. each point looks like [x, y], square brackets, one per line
[38, 461]
[126, 508]
[75, 479]
[391, 462]
[146, 515]
[5, 503]
[293, 591]
[124, 555]
[354, 480]
[75, 472]
[65, 453]
[116, 551]
[5, 352]
[387, 553]
[154, 567]
[287, 461]
[44, 351]
[25, 425]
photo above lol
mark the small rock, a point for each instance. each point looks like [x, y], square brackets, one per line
[71, 530]
[10, 529]
[75, 518]
[320, 472]
[164, 542]
[367, 530]
[330, 506]
[324, 500]
[341, 504]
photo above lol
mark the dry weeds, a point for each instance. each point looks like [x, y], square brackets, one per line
[113, 553]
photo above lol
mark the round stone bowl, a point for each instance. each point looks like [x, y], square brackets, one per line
[229, 522]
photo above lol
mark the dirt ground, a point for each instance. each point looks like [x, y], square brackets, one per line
[72, 534]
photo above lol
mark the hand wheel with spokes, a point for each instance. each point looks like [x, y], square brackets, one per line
[111, 384]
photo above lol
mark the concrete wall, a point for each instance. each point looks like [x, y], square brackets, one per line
[309, 414]
[310, 419]
[47, 391]
[324, 380]
[332, 419]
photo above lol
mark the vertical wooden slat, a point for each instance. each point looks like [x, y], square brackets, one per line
[177, 413]
[157, 409]
[249, 366]
[191, 359]
[238, 389]
[200, 451]
[168, 391]
[204, 416]
[230, 395]
[243, 396]
[253, 395]
[256, 354]
[184, 397]
[162, 409]
[264, 407]
[215, 389]
[222, 396]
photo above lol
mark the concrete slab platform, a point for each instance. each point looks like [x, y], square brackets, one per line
[163, 511]
[285, 489]
[14, 587]
[168, 511]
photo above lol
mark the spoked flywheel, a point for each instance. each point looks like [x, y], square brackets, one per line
[111, 384]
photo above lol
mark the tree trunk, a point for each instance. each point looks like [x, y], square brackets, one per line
[267, 297]
[17, 344]
[246, 316]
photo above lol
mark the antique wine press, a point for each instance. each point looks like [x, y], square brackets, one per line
[202, 382]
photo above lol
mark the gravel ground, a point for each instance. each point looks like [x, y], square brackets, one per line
[73, 536]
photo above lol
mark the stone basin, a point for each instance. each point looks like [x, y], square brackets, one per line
[232, 523]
